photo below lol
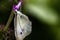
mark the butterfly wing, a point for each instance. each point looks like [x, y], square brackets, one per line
[22, 24]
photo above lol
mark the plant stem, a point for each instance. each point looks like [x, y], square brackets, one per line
[9, 21]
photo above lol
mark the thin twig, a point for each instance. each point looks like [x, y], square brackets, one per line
[9, 21]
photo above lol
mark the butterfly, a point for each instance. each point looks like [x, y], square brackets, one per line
[22, 25]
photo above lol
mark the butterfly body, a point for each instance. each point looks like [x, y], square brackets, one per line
[22, 25]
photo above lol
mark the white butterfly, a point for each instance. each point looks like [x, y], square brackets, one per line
[22, 25]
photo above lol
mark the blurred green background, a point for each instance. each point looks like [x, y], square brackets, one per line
[44, 14]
